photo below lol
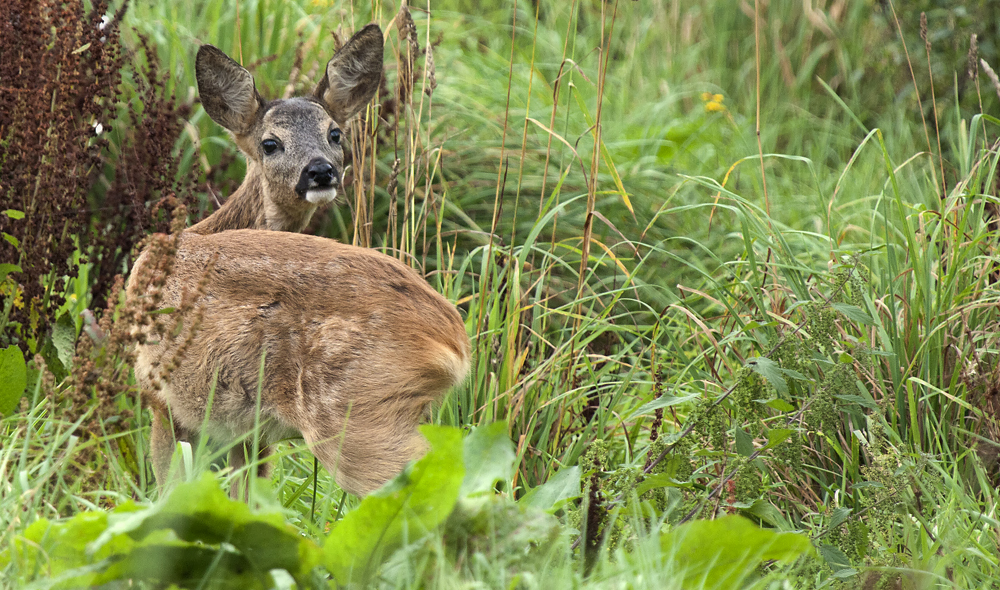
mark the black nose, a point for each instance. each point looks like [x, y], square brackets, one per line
[321, 173]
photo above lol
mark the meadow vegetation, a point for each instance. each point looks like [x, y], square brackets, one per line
[729, 269]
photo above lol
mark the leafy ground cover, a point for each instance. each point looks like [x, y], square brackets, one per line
[729, 271]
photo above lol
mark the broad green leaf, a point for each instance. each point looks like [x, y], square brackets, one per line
[794, 374]
[767, 512]
[769, 370]
[723, 552]
[559, 489]
[489, 457]
[58, 551]
[776, 436]
[13, 379]
[838, 517]
[418, 500]
[744, 442]
[163, 559]
[200, 511]
[656, 480]
[834, 557]
[52, 361]
[196, 537]
[513, 535]
[780, 405]
[6, 269]
[853, 313]
[14, 214]
[64, 339]
[663, 402]
[857, 399]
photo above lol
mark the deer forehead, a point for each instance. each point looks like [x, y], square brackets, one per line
[295, 119]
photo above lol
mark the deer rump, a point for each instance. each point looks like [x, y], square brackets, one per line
[355, 347]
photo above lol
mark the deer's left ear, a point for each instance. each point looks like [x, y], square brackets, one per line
[353, 75]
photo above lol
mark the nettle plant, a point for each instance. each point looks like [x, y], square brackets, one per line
[797, 440]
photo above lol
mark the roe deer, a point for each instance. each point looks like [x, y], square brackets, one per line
[294, 164]
[294, 157]
[356, 345]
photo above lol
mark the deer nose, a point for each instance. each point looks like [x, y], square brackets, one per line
[321, 173]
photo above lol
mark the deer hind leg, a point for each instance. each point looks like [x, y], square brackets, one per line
[239, 455]
[366, 454]
[165, 435]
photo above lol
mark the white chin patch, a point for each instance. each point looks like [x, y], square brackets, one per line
[321, 196]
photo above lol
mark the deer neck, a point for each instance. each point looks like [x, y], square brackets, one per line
[250, 208]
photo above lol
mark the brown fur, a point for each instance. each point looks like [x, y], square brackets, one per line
[357, 346]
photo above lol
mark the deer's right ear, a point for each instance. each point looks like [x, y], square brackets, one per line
[226, 89]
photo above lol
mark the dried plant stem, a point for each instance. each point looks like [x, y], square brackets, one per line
[991, 75]
[760, 147]
[498, 196]
[524, 131]
[909, 63]
[930, 77]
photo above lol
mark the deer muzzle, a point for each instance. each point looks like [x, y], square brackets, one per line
[318, 182]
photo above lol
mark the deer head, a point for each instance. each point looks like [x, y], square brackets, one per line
[295, 160]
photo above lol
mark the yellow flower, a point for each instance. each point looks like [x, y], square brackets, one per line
[706, 96]
[718, 98]
[8, 287]
[714, 107]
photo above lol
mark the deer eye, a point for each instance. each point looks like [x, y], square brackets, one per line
[270, 146]
[335, 135]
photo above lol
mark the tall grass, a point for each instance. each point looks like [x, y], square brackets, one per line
[821, 360]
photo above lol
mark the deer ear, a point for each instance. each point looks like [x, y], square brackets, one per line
[226, 89]
[353, 75]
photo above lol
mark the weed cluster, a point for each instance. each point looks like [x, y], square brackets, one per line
[88, 149]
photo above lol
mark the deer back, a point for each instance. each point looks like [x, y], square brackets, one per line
[355, 345]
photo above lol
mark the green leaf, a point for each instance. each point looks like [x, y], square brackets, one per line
[50, 353]
[663, 402]
[769, 370]
[489, 457]
[838, 517]
[834, 557]
[767, 512]
[201, 512]
[744, 442]
[654, 481]
[780, 405]
[418, 500]
[14, 214]
[59, 550]
[721, 553]
[853, 313]
[857, 399]
[776, 436]
[163, 559]
[559, 489]
[13, 241]
[13, 379]
[6, 269]
[64, 339]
